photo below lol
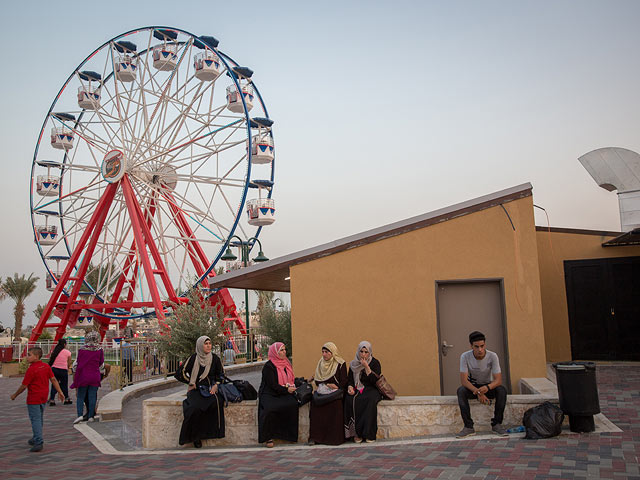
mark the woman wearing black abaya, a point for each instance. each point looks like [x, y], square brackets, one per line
[326, 421]
[203, 410]
[277, 406]
[361, 403]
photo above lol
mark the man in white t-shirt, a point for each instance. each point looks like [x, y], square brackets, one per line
[481, 378]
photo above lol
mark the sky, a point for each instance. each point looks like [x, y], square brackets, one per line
[382, 110]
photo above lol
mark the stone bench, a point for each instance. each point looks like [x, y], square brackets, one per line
[110, 406]
[400, 418]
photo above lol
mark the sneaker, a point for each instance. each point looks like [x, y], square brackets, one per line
[67, 402]
[36, 448]
[368, 440]
[466, 432]
[498, 429]
[52, 403]
[78, 420]
[357, 439]
[93, 419]
[30, 442]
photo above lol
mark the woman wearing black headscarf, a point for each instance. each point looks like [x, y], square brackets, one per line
[203, 408]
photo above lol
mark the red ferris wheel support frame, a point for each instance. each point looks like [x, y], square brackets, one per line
[142, 251]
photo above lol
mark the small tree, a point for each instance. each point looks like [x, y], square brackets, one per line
[189, 322]
[276, 324]
[46, 334]
[18, 289]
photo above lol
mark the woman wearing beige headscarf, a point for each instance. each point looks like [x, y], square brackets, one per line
[326, 421]
[203, 409]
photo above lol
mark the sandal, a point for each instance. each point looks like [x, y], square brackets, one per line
[269, 444]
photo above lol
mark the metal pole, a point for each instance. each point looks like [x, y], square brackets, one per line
[245, 258]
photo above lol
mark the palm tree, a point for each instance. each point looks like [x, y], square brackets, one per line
[18, 289]
[265, 299]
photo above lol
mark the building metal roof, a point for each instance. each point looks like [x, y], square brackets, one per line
[274, 274]
[620, 239]
[625, 239]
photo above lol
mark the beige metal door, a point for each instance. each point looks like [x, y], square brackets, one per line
[462, 308]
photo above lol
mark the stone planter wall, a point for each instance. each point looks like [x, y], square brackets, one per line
[401, 418]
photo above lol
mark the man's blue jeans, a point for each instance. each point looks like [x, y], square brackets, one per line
[36, 415]
[92, 394]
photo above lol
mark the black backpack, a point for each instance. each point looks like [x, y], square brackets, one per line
[246, 389]
[229, 391]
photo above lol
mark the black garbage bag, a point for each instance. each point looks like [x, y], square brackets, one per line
[543, 421]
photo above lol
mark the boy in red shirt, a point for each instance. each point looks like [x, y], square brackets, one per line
[36, 382]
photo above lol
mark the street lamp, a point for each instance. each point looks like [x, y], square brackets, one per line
[245, 247]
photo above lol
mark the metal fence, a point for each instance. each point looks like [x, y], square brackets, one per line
[135, 361]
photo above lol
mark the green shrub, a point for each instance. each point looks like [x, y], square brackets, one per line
[189, 322]
[276, 324]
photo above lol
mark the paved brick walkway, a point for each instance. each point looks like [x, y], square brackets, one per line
[67, 454]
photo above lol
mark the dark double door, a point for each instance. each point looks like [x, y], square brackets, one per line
[603, 297]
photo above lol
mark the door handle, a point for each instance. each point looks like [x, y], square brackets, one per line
[445, 346]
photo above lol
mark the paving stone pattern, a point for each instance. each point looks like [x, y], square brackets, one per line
[68, 455]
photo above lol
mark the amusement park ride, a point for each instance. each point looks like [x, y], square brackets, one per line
[155, 140]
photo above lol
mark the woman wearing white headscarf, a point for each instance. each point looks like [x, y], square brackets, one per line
[326, 421]
[361, 403]
[203, 408]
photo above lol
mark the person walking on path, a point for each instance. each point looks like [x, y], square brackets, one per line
[128, 358]
[481, 378]
[36, 382]
[90, 364]
[60, 363]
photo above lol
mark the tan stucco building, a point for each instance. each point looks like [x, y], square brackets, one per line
[412, 286]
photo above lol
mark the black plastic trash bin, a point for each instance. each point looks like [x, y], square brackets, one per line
[578, 394]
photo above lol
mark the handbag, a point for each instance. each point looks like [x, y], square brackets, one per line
[304, 393]
[204, 390]
[320, 399]
[385, 388]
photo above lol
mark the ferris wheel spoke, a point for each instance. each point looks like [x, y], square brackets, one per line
[178, 122]
[193, 212]
[96, 141]
[182, 146]
[162, 97]
[176, 126]
[103, 118]
[226, 182]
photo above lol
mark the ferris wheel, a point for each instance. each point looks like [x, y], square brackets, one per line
[141, 175]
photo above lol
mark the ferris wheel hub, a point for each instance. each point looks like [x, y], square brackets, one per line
[165, 176]
[113, 166]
